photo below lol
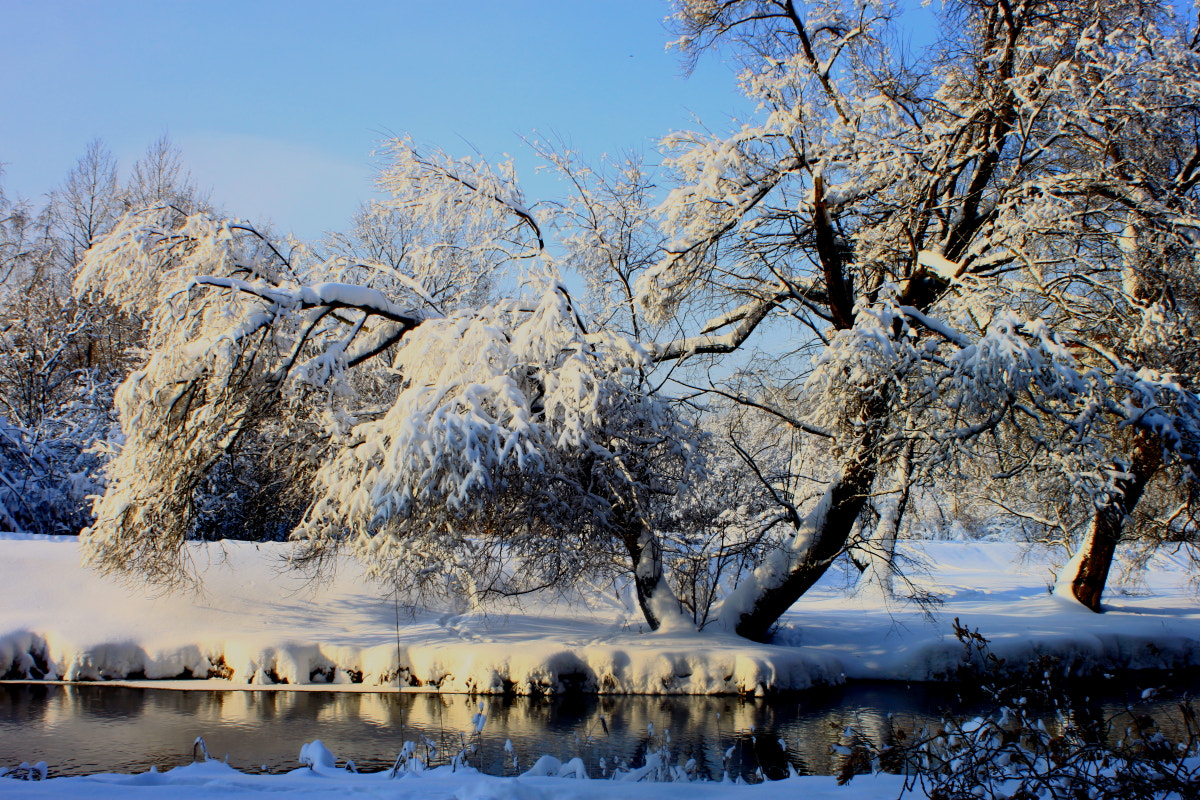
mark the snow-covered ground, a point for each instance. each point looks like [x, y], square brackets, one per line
[256, 623]
[212, 780]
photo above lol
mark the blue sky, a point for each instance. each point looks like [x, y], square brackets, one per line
[278, 105]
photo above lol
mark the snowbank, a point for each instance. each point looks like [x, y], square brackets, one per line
[255, 624]
[212, 779]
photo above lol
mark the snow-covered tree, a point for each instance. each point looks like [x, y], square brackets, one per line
[955, 247]
[941, 225]
[456, 448]
[61, 357]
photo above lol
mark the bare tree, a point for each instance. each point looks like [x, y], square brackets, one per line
[87, 204]
[159, 178]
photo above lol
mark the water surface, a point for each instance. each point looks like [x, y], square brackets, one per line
[80, 729]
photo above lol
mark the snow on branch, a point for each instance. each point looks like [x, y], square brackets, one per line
[231, 331]
[499, 406]
[322, 295]
[503, 428]
[745, 320]
[449, 194]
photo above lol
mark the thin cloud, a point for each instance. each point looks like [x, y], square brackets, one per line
[299, 188]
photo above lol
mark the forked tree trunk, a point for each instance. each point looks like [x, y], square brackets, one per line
[1086, 574]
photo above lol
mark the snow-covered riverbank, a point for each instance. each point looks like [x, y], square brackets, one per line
[255, 623]
[206, 781]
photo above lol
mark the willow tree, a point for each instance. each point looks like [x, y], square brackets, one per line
[477, 450]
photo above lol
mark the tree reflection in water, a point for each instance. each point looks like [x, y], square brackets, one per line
[81, 729]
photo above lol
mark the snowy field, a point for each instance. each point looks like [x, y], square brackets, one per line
[257, 624]
[260, 625]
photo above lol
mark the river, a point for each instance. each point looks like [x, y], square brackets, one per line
[87, 728]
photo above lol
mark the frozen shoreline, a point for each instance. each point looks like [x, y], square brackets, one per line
[261, 626]
[258, 628]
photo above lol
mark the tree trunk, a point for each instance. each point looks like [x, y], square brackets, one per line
[880, 568]
[1086, 574]
[824, 535]
[762, 597]
[657, 601]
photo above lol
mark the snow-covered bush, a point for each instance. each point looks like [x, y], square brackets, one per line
[49, 474]
[1014, 756]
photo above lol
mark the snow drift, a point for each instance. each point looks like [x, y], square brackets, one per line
[256, 624]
